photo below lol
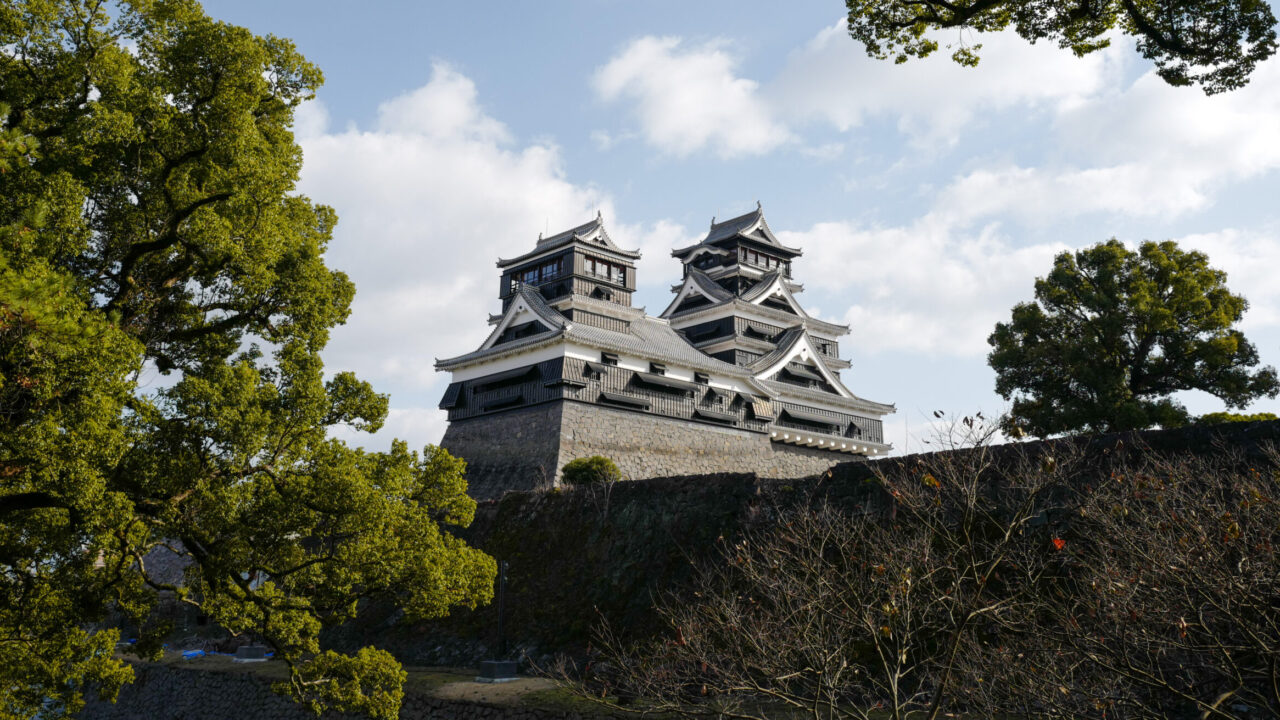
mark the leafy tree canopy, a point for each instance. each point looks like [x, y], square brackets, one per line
[1213, 43]
[1113, 333]
[149, 222]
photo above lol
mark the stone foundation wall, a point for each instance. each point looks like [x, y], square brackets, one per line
[647, 446]
[513, 450]
[525, 449]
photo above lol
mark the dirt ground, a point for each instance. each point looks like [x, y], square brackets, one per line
[505, 693]
[444, 683]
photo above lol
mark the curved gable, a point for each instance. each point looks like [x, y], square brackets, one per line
[774, 287]
[527, 307]
[797, 346]
[697, 284]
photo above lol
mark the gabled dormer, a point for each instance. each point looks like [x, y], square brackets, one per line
[738, 253]
[582, 261]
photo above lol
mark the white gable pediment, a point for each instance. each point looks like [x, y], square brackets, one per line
[803, 351]
[690, 288]
[776, 289]
[520, 312]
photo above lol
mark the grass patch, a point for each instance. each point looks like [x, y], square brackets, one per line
[562, 699]
[427, 681]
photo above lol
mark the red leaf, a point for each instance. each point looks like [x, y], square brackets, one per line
[1059, 543]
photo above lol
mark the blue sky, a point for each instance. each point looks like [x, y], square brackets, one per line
[927, 197]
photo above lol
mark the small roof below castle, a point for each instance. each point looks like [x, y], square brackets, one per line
[751, 226]
[591, 233]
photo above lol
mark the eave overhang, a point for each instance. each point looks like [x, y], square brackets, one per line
[763, 313]
[823, 441]
[590, 236]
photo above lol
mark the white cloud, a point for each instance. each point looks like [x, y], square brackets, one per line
[444, 109]
[1042, 195]
[1250, 259]
[831, 79]
[428, 199]
[690, 98]
[417, 426]
[656, 268]
[935, 288]
[1111, 144]
[924, 287]
[1147, 150]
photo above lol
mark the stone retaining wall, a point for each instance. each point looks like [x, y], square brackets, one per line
[512, 450]
[525, 449]
[648, 446]
[161, 692]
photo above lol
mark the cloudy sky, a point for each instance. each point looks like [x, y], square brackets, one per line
[927, 197]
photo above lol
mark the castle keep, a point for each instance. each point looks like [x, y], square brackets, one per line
[734, 376]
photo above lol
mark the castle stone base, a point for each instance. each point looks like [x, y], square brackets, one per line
[525, 449]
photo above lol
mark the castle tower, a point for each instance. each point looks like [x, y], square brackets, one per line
[733, 377]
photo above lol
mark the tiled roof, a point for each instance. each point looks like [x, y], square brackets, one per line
[773, 315]
[539, 306]
[523, 343]
[859, 403]
[712, 288]
[749, 225]
[646, 337]
[760, 288]
[785, 343]
[592, 232]
[654, 339]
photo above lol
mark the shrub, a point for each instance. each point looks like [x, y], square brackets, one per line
[591, 470]
[1227, 417]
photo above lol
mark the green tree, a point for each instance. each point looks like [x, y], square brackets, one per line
[149, 222]
[1113, 333]
[1213, 43]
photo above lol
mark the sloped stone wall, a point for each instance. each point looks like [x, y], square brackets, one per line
[647, 446]
[525, 449]
[513, 450]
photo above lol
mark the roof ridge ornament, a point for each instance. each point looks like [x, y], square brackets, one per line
[713, 221]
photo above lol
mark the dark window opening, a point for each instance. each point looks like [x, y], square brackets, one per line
[502, 403]
[701, 378]
[808, 420]
[657, 368]
[609, 359]
[507, 379]
[720, 417]
[618, 398]
[613, 272]
[778, 303]
[523, 330]
[693, 301]
[666, 384]
[547, 270]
